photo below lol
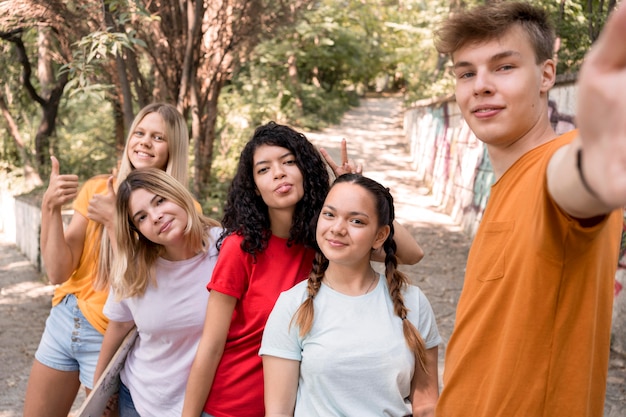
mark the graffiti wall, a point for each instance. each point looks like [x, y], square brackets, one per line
[449, 159]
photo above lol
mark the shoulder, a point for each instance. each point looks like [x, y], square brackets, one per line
[414, 297]
[560, 141]
[96, 184]
[231, 243]
[213, 235]
[295, 295]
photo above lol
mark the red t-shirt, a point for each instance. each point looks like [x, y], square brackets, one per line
[237, 389]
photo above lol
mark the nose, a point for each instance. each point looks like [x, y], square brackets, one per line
[145, 140]
[338, 227]
[279, 172]
[483, 84]
[155, 216]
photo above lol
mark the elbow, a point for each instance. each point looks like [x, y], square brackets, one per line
[413, 258]
[418, 256]
[56, 277]
[55, 281]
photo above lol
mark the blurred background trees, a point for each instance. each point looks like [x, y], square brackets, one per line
[75, 72]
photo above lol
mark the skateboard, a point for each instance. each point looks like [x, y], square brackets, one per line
[109, 381]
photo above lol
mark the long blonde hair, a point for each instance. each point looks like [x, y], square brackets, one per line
[177, 137]
[132, 269]
[396, 280]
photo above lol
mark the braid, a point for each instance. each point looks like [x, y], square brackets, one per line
[304, 315]
[396, 281]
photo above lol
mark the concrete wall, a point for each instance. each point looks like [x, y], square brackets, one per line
[7, 215]
[28, 226]
[449, 159]
[20, 222]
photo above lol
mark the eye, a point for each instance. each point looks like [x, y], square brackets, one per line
[160, 200]
[357, 222]
[290, 162]
[159, 138]
[506, 67]
[140, 218]
[262, 170]
[327, 214]
[138, 133]
[465, 75]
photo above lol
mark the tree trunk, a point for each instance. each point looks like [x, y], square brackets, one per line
[30, 174]
[120, 66]
[295, 83]
[205, 140]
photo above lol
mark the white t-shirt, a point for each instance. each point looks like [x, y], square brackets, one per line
[355, 360]
[169, 319]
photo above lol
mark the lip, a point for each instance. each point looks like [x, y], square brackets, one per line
[283, 188]
[335, 243]
[142, 154]
[165, 226]
[486, 111]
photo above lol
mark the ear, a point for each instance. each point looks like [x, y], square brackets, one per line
[381, 236]
[548, 75]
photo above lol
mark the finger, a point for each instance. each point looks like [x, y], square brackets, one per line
[344, 151]
[54, 166]
[110, 188]
[609, 52]
[329, 159]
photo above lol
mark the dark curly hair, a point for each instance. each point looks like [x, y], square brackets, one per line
[245, 212]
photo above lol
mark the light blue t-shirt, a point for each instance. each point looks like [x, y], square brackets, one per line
[355, 360]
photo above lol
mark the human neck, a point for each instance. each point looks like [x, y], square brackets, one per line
[503, 157]
[178, 253]
[280, 222]
[350, 282]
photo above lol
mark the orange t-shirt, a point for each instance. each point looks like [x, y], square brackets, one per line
[80, 283]
[533, 323]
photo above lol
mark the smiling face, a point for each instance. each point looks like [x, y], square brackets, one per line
[160, 220]
[347, 227]
[500, 88]
[147, 145]
[277, 177]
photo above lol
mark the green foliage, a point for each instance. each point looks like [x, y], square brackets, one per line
[92, 54]
[86, 141]
[306, 76]
[576, 23]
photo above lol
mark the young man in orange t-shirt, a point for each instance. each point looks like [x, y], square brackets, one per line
[533, 323]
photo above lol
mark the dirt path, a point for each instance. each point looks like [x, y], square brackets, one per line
[374, 135]
[375, 138]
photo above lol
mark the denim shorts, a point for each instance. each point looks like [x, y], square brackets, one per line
[126, 404]
[69, 342]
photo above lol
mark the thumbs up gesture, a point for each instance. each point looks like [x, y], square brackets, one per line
[102, 206]
[61, 188]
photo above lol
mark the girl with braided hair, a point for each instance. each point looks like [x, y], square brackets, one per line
[346, 342]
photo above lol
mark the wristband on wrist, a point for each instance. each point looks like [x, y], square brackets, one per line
[579, 165]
